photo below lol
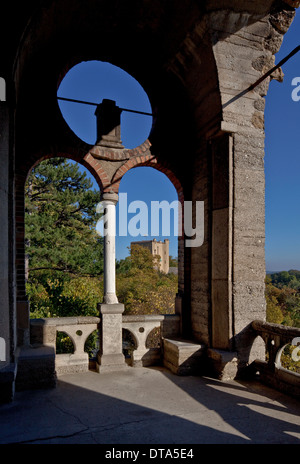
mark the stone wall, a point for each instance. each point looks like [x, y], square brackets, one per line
[7, 306]
[228, 174]
[4, 230]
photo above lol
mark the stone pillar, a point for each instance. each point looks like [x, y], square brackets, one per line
[7, 299]
[5, 330]
[110, 356]
[109, 201]
[223, 360]
[221, 243]
[22, 303]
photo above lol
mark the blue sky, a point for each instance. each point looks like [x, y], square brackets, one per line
[282, 162]
[93, 81]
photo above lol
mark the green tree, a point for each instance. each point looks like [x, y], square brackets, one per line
[173, 262]
[274, 313]
[283, 298]
[60, 219]
[143, 289]
[64, 251]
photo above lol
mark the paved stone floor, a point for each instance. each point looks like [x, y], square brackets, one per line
[150, 406]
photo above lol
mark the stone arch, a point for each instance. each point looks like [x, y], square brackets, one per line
[22, 172]
[146, 160]
[179, 115]
[60, 334]
[160, 85]
[153, 339]
[125, 349]
[149, 160]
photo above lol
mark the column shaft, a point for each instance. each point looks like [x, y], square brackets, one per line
[110, 296]
[110, 356]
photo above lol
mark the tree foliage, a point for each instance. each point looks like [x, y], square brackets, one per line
[173, 262]
[62, 245]
[60, 218]
[283, 298]
[143, 289]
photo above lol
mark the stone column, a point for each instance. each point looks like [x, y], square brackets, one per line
[109, 201]
[221, 242]
[223, 359]
[110, 356]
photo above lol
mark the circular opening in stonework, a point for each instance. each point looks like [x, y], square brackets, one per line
[94, 81]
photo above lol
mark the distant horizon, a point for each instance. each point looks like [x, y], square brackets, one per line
[282, 270]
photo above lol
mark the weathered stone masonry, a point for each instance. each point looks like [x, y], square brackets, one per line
[194, 60]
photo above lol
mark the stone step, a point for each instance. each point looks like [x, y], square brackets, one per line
[182, 357]
[35, 367]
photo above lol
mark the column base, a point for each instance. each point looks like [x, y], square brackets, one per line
[110, 298]
[110, 363]
[110, 356]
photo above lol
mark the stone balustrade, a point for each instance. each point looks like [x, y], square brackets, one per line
[44, 333]
[141, 326]
[280, 369]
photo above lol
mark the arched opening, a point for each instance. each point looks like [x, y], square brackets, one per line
[64, 343]
[94, 81]
[63, 253]
[147, 242]
[129, 344]
[91, 347]
[50, 133]
[154, 338]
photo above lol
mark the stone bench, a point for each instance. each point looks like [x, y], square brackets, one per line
[182, 357]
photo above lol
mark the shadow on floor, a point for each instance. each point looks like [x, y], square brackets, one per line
[150, 406]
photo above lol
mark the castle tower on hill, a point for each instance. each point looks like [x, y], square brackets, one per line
[157, 248]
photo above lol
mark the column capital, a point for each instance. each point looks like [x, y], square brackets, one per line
[109, 196]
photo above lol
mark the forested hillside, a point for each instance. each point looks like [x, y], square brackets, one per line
[283, 298]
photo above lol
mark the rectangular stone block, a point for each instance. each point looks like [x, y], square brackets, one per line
[36, 367]
[182, 357]
[71, 363]
[221, 314]
[221, 243]
[110, 356]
